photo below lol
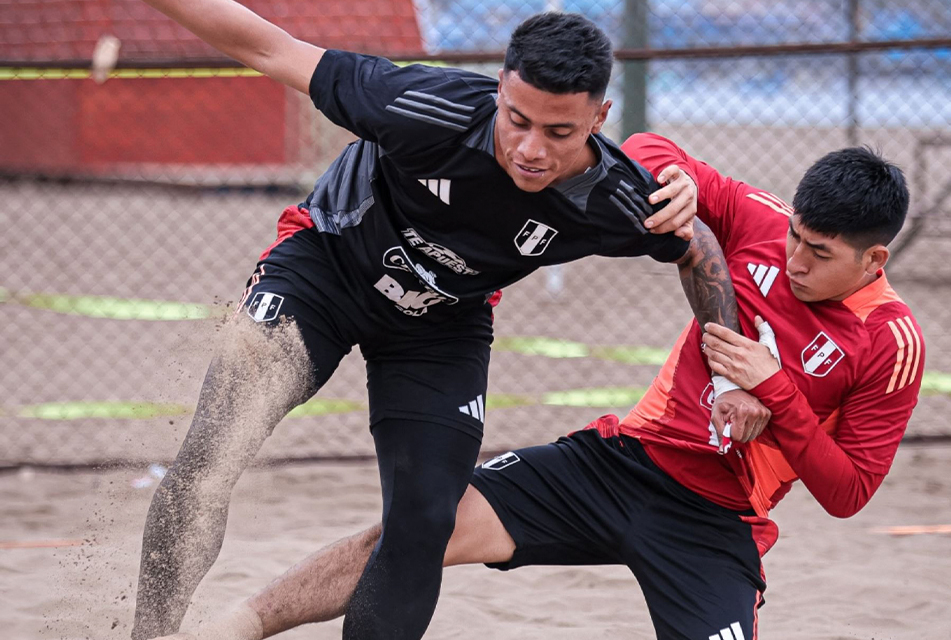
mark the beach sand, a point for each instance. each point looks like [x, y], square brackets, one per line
[828, 578]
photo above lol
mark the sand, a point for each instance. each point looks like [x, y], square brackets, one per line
[828, 578]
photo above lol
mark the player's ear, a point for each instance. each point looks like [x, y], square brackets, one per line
[601, 117]
[875, 258]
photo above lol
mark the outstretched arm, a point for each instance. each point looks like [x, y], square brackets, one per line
[240, 33]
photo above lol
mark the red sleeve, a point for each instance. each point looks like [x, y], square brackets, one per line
[845, 469]
[737, 213]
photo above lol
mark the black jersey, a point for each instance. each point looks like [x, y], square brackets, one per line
[427, 214]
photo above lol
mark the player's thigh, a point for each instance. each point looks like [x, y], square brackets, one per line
[556, 501]
[479, 535]
[697, 599]
[275, 353]
[697, 564]
[435, 373]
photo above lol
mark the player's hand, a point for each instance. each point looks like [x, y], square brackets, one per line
[678, 214]
[737, 358]
[746, 413]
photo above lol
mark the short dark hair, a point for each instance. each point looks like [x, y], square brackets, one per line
[854, 193]
[561, 53]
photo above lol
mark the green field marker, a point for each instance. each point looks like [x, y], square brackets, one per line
[325, 406]
[4, 295]
[541, 346]
[107, 410]
[509, 401]
[117, 308]
[934, 383]
[604, 397]
[631, 354]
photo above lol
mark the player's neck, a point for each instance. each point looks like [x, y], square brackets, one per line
[864, 282]
[586, 159]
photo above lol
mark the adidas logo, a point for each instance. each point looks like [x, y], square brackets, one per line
[733, 632]
[439, 188]
[763, 276]
[476, 409]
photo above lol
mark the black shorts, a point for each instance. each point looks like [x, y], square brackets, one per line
[433, 369]
[588, 499]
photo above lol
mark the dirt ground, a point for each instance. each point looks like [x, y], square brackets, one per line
[828, 579]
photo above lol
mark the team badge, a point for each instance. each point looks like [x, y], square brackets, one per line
[534, 238]
[821, 356]
[500, 462]
[264, 306]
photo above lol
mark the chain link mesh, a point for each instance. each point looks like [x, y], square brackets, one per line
[133, 211]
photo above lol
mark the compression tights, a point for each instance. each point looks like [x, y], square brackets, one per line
[424, 470]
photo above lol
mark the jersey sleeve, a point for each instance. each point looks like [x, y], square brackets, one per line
[737, 213]
[843, 470]
[621, 210]
[405, 109]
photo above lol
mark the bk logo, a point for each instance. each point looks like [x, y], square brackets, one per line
[822, 354]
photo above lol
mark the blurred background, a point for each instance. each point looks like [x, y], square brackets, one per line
[132, 211]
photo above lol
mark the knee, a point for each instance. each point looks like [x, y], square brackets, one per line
[425, 523]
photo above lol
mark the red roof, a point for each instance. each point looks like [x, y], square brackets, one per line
[65, 30]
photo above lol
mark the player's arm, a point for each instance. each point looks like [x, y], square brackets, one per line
[245, 36]
[842, 471]
[706, 280]
[723, 203]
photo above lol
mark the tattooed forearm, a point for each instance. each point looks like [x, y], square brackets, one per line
[706, 280]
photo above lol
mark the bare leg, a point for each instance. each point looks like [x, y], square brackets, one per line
[261, 373]
[319, 588]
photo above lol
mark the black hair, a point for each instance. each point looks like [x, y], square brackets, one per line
[561, 53]
[854, 193]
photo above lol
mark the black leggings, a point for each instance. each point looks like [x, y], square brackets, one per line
[424, 470]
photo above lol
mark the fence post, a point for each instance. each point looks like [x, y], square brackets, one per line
[634, 116]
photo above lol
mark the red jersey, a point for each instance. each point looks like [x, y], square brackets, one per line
[850, 375]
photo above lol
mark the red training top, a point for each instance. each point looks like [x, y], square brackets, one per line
[850, 376]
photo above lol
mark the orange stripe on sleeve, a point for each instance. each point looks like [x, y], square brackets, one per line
[914, 368]
[900, 358]
[911, 353]
[762, 199]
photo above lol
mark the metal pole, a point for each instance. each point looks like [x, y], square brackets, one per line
[852, 123]
[634, 116]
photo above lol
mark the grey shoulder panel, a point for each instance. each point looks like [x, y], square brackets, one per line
[482, 137]
[343, 194]
[579, 188]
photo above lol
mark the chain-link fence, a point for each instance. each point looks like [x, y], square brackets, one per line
[133, 211]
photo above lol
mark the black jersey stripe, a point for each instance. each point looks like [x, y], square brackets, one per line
[423, 117]
[431, 109]
[427, 97]
[626, 209]
[635, 203]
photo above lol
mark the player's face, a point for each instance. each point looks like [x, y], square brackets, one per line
[820, 267]
[541, 138]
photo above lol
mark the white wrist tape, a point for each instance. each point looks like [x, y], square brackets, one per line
[768, 338]
[721, 385]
